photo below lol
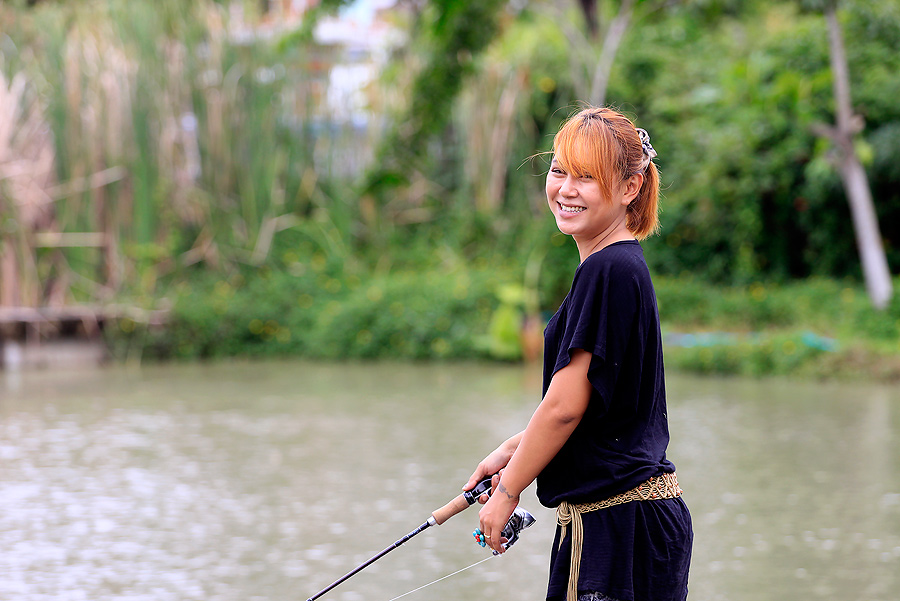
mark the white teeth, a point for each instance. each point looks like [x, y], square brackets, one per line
[568, 209]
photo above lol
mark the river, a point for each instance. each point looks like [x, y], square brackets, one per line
[267, 481]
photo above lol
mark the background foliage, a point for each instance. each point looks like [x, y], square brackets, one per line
[268, 223]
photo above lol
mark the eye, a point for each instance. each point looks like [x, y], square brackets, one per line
[557, 171]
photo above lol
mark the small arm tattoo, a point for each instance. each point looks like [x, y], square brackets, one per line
[502, 489]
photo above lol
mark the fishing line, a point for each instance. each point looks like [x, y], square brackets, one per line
[438, 517]
[444, 577]
[518, 521]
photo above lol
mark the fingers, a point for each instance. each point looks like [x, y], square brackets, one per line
[485, 541]
[495, 541]
[495, 481]
[476, 477]
[473, 480]
[492, 520]
[491, 464]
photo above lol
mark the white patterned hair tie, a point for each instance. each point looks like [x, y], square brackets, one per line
[649, 152]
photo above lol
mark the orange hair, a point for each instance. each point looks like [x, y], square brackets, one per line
[604, 144]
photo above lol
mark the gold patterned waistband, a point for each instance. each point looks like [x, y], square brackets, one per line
[660, 487]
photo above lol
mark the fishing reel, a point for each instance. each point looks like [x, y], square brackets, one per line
[518, 521]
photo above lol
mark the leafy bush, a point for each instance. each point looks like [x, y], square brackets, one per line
[819, 327]
[267, 313]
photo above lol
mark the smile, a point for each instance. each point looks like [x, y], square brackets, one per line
[570, 209]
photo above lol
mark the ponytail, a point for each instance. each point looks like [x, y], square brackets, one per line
[642, 215]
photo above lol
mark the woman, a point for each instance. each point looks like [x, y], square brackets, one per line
[596, 443]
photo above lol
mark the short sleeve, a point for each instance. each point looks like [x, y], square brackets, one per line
[601, 310]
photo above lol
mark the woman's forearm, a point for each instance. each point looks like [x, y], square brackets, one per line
[493, 463]
[512, 443]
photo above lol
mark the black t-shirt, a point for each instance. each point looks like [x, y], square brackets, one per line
[621, 440]
[638, 550]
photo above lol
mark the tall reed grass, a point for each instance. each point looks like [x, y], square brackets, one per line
[164, 134]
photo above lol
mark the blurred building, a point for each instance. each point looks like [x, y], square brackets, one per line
[330, 92]
[350, 48]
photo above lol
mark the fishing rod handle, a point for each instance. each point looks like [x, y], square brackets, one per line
[450, 509]
[462, 501]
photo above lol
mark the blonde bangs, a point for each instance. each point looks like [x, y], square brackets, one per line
[583, 147]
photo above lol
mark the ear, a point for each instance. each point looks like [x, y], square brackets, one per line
[631, 187]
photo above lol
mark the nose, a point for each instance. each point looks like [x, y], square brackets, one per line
[568, 187]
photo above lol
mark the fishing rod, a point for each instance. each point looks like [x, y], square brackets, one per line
[520, 520]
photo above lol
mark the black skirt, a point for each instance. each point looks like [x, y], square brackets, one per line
[637, 550]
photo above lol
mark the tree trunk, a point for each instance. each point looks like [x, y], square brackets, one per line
[611, 42]
[853, 175]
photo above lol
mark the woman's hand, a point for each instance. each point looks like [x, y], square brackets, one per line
[492, 465]
[494, 516]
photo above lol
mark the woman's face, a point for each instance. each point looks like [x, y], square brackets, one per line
[578, 204]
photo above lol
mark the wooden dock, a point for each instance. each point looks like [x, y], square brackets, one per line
[69, 336]
[11, 316]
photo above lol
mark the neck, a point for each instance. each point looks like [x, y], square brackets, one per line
[617, 232]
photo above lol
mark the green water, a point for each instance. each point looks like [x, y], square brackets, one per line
[270, 480]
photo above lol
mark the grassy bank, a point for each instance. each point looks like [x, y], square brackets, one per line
[821, 328]
[815, 328]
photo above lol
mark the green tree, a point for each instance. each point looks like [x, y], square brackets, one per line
[455, 32]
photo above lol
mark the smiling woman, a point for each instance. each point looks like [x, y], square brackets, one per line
[597, 442]
[601, 161]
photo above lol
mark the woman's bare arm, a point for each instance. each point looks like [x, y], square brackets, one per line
[549, 428]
